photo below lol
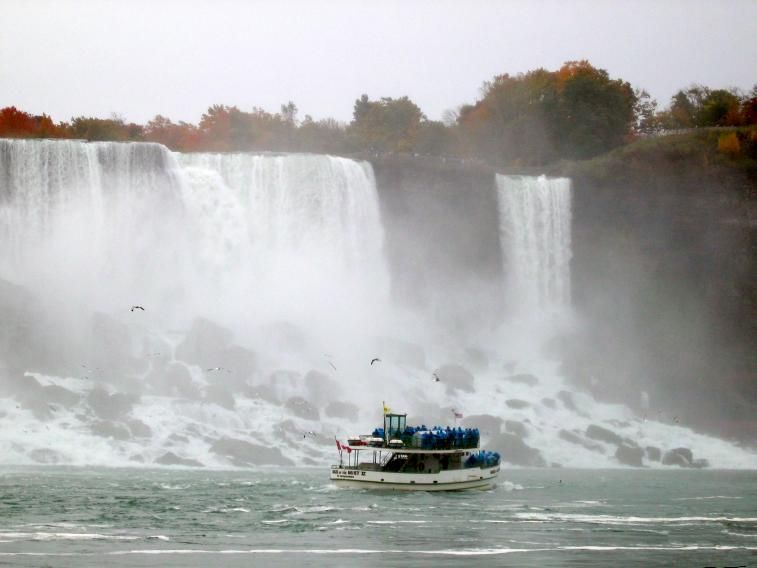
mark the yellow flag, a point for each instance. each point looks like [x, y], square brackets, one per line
[387, 410]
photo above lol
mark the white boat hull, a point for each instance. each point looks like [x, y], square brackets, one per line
[449, 480]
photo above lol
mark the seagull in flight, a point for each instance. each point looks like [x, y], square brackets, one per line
[375, 360]
[436, 378]
[214, 369]
[137, 308]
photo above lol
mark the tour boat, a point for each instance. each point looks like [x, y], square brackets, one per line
[409, 458]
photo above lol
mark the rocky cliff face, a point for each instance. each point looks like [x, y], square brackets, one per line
[441, 229]
[664, 264]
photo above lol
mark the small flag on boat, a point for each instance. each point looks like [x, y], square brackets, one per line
[387, 410]
[457, 414]
[340, 447]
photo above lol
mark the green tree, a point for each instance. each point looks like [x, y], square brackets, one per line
[386, 125]
[592, 113]
[720, 108]
[113, 129]
[685, 107]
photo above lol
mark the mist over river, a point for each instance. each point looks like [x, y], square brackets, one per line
[285, 516]
[223, 310]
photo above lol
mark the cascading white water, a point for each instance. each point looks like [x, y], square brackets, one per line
[292, 231]
[80, 222]
[247, 241]
[108, 224]
[535, 224]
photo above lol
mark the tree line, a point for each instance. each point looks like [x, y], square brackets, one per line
[532, 118]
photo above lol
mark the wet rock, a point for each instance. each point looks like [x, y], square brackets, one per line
[700, 463]
[203, 344]
[156, 352]
[574, 438]
[339, 409]
[484, 422]
[516, 427]
[549, 403]
[139, 429]
[523, 379]
[262, 392]
[111, 407]
[679, 456]
[401, 352]
[55, 394]
[284, 383]
[455, 377]
[685, 452]
[289, 427]
[320, 388]
[111, 349]
[653, 453]
[567, 399]
[108, 429]
[208, 346]
[43, 401]
[603, 435]
[302, 408]
[629, 455]
[170, 458]
[516, 451]
[45, 455]
[28, 391]
[238, 364]
[220, 395]
[242, 453]
[517, 404]
[175, 381]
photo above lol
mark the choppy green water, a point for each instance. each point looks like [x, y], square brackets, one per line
[284, 517]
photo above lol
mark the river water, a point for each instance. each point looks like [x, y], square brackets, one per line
[280, 517]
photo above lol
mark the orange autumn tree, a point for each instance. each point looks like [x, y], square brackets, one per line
[181, 137]
[16, 124]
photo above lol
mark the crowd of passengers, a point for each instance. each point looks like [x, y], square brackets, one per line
[437, 437]
[482, 459]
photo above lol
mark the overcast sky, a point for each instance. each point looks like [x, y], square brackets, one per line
[141, 58]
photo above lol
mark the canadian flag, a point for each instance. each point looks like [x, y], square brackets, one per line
[341, 447]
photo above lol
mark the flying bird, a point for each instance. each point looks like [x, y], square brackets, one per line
[375, 360]
[436, 378]
[137, 308]
[332, 365]
[214, 369]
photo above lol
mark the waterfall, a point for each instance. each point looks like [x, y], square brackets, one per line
[266, 297]
[80, 222]
[104, 225]
[535, 225]
[300, 228]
